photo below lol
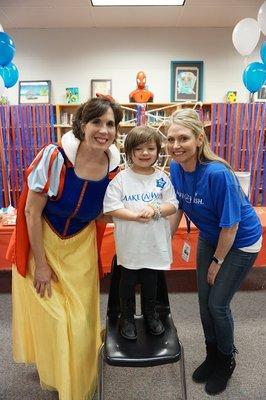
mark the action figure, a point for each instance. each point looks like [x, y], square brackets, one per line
[141, 95]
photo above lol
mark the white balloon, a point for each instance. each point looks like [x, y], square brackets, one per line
[1, 28]
[3, 92]
[2, 83]
[246, 35]
[262, 18]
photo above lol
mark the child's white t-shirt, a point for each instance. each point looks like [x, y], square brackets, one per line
[141, 245]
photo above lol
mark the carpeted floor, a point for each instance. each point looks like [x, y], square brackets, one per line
[20, 382]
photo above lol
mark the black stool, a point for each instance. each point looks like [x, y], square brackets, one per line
[148, 350]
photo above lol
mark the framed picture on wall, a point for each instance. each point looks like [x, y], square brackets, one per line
[103, 86]
[186, 81]
[34, 92]
[260, 95]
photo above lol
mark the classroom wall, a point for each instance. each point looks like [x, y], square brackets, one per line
[72, 57]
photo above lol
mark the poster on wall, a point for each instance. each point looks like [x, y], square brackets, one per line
[34, 92]
[186, 81]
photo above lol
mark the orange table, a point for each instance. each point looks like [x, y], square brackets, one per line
[5, 235]
[108, 248]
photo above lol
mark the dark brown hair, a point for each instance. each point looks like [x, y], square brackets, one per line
[94, 108]
[140, 135]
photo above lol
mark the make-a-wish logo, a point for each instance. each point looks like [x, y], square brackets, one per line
[160, 183]
[146, 197]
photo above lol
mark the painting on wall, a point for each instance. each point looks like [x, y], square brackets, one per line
[102, 86]
[260, 96]
[72, 95]
[34, 92]
[231, 96]
[186, 81]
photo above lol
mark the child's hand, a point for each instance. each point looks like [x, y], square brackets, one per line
[141, 219]
[146, 213]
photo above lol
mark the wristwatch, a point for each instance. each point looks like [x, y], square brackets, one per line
[218, 261]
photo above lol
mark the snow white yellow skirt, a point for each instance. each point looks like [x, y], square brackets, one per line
[61, 334]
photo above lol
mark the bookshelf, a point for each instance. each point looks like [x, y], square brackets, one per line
[63, 117]
[152, 114]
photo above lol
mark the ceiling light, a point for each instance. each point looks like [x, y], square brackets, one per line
[106, 3]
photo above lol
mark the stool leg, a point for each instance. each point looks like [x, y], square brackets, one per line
[183, 373]
[100, 373]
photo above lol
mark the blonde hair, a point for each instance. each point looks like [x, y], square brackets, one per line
[190, 119]
[140, 135]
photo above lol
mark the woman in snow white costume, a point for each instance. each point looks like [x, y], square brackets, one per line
[56, 321]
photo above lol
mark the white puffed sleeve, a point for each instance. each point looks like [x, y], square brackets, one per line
[47, 169]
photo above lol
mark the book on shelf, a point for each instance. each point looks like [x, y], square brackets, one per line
[129, 117]
[66, 118]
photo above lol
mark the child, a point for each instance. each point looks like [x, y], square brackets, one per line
[139, 199]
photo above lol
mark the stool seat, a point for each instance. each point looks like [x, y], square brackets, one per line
[147, 350]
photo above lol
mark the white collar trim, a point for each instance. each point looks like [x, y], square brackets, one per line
[70, 145]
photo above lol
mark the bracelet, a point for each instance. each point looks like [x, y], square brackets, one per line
[218, 261]
[157, 211]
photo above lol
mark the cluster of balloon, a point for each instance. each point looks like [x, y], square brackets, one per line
[245, 38]
[8, 70]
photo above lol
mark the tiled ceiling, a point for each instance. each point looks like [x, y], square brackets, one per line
[80, 14]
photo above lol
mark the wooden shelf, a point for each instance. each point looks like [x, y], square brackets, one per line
[62, 126]
[64, 115]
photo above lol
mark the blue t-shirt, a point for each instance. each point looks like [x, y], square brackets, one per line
[212, 199]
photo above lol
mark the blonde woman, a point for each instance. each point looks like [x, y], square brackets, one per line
[230, 238]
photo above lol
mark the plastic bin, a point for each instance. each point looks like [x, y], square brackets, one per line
[244, 180]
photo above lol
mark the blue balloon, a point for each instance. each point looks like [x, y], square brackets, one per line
[7, 49]
[254, 76]
[9, 74]
[263, 52]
